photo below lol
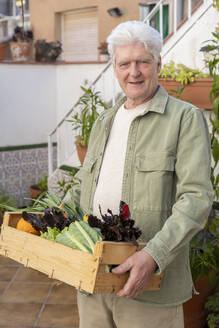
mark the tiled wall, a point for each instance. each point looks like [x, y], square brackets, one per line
[21, 168]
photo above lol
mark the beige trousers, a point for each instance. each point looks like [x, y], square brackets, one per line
[111, 311]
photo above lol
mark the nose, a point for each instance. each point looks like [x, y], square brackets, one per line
[134, 70]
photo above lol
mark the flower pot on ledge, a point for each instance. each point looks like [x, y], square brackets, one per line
[20, 50]
[197, 92]
[34, 191]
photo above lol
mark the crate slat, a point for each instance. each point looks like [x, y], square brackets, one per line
[84, 271]
[73, 267]
[115, 252]
[111, 283]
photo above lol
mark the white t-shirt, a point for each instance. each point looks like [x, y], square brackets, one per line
[109, 188]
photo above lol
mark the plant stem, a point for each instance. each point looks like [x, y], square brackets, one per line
[22, 10]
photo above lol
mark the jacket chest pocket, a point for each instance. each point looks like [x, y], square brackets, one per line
[153, 182]
[87, 182]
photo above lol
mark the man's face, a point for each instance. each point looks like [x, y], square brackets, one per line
[137, 73]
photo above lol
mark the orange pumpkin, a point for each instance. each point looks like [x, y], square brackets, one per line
[26, 226]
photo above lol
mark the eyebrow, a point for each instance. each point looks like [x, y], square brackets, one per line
[137, 60]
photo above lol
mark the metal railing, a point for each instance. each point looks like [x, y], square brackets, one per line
[158, 8]
[67, 115]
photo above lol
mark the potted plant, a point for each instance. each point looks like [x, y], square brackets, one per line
[47, 51]
[212, 307]
[204, 262]
[21, 43]
[204, 250]
[83, 120]
[193, 85]
[37, 189]
[103, 51]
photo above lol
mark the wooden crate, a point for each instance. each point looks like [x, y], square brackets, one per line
[86, 272]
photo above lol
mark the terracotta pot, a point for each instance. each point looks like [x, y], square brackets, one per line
[197, 92]
[81, 152]
[194, 311]
[2, 51]
[20, 51]
[34, 191]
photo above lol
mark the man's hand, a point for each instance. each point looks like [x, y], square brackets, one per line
[141, 266]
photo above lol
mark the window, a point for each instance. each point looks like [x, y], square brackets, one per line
[146, 8]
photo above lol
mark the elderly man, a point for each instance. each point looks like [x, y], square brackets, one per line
[151, 151]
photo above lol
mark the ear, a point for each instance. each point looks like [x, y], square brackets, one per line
[159, 65]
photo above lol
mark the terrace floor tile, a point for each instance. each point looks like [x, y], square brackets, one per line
[26, 293]
[59, 315]
[62, 294]
[7, 261]
[28, 274]
[7, 272]
[15, 314]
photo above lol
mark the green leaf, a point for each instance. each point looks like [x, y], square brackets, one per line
[215, 150]
[82, 230]
[73, 239]
[91, 234]
[51, 233]
[84, 120]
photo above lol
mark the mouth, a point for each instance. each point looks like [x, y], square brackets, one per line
[136, 83]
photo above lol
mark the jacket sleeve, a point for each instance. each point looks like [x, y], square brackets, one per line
[194, 193]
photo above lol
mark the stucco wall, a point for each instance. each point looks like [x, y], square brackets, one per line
[45, 15]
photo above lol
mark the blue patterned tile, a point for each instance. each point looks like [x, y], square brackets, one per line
[21, 168]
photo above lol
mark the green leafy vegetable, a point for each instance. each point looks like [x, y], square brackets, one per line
[77, 237]
[50, 234]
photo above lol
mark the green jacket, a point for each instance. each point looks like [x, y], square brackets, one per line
[166, 184]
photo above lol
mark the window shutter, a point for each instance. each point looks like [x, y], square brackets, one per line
[80, 36]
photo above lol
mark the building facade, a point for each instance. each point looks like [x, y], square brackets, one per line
[82, 25]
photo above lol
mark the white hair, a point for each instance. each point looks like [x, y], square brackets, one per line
[135, 31]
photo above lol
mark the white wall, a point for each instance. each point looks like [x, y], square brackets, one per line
[186, 51]
[27, 103]
[34, 98]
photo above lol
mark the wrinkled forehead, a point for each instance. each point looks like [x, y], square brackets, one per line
[132, 51]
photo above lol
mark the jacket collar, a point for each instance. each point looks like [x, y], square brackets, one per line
[156, 104]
